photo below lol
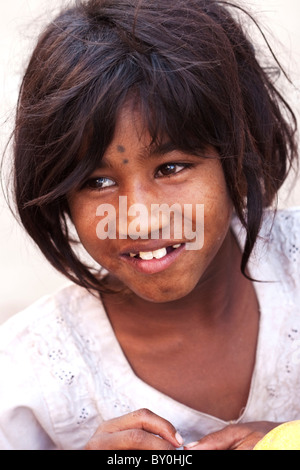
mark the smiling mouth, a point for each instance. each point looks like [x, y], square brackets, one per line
[150, 262]
[157, 254]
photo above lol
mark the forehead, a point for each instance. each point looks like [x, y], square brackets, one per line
[131, 135]
[130, 126]
[134, 128]
[133, 139]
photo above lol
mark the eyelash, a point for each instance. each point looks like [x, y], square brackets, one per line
[92, 182]
[183, 165]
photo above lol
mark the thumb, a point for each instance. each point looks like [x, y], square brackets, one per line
[227, 438]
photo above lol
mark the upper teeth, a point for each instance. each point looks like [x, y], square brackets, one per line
[157, 254]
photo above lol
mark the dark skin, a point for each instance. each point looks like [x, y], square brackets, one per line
[197, 318]
[217, 339]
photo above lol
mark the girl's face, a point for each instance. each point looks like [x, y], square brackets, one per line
[154, 267]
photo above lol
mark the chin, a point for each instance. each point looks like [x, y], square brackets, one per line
[163, 294]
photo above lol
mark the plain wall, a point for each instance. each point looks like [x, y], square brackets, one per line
[24, 274]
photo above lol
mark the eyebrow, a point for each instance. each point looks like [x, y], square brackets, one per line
[158, 150]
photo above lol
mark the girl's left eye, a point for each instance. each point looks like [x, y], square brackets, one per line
[169, 169]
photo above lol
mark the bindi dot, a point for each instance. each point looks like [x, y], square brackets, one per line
[121, 149]
[125, 161]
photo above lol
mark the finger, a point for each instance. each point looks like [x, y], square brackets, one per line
[228, 438]
[131, 439]
[250, 441]
[145, 420]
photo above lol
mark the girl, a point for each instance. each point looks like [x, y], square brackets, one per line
[164, 346]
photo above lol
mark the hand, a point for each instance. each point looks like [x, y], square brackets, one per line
[139, 430]
[234, 437]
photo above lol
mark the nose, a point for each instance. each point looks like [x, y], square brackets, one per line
[135, 212]
[137, 215]
[143, 214]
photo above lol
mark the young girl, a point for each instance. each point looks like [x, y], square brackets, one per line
[156, 343]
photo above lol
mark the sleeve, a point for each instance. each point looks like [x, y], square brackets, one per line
[25, 423]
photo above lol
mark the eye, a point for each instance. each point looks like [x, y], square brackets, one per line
[169, 169]
[98, 183]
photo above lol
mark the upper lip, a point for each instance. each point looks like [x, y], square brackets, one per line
[154, 245]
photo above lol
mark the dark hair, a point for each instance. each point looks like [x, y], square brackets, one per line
[196, 78]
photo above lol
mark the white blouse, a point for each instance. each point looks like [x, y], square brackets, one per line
[63, 371]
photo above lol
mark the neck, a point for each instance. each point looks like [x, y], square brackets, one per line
[213, 301]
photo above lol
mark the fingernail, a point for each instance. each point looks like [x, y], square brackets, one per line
[179, 439]
[191, 445]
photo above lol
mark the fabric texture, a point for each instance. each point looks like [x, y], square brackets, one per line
[63, 371]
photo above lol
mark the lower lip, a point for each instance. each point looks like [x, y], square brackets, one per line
[154, 265]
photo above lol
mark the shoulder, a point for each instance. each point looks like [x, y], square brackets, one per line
[277, 261]
[280, 238]
[50, 310]
[284, 228]
[276, 254]
[278, 222]
[44, 354]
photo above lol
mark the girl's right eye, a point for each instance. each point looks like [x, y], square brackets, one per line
[98, 183]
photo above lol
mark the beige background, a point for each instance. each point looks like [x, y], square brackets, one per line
[24, 275]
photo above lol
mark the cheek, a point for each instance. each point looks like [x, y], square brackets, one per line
[216, 226]
[218, 208]
[85, 222]
[218, 211]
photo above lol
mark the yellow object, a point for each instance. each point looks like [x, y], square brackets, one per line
[286, 436]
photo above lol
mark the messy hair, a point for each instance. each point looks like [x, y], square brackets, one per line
[196, 78]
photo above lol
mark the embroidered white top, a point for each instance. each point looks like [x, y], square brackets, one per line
[63, 371]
